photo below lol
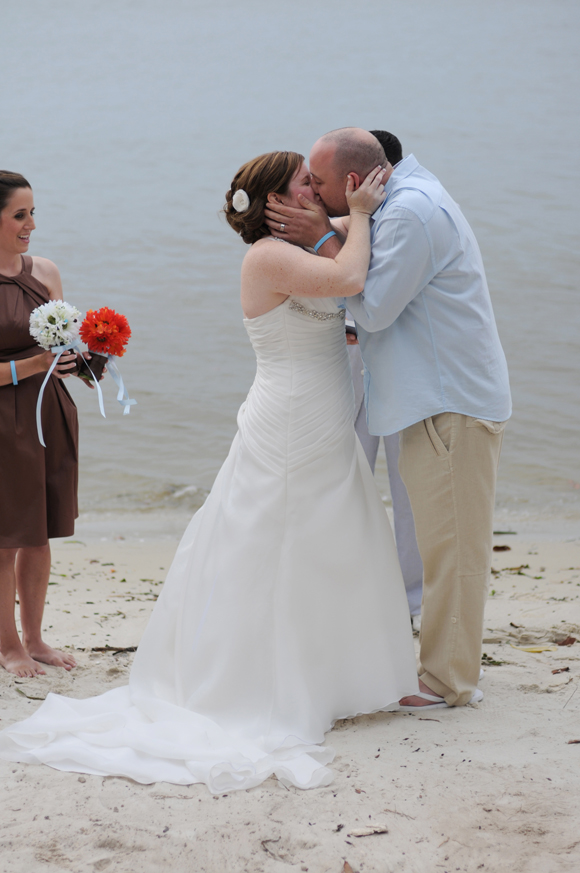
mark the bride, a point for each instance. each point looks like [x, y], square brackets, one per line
[284, 609]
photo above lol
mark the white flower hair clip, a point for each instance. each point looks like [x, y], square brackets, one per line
[241, 201]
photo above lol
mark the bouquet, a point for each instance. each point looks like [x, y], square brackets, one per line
[55, 327]
[55, 324]
[106, 333]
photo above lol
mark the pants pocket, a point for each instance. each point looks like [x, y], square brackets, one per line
[491, 426]
[434, 438]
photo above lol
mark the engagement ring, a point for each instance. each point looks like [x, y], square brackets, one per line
[282, 227]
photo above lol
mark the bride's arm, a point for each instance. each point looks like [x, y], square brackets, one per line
[275, 269]
[340, 227]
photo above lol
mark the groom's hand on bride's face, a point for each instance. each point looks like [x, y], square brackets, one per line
[303, 226]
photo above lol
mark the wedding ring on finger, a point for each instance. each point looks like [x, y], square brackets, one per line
[282, 227]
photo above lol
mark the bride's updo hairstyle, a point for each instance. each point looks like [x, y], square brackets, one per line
[267, 174]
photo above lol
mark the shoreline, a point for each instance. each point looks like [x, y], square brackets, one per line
[169, 524]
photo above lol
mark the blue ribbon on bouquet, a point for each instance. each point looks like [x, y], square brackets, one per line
[122, 396]
[57, 351]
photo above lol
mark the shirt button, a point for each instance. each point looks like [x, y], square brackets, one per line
[453, 620]
[362, 372]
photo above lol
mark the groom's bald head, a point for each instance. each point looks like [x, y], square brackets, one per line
[354, 150]
[349, 150]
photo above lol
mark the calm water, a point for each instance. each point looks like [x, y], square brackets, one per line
[130, 119]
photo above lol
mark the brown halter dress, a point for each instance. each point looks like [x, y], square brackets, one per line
[38, 487]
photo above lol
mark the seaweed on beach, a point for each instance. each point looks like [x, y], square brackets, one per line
[115, 650]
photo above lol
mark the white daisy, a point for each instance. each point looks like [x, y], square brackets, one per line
[55, 323]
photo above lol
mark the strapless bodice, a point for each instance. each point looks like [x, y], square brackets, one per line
[302, 401]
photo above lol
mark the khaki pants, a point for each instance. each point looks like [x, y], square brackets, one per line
[449, 465]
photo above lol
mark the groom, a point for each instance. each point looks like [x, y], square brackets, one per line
[435, 371]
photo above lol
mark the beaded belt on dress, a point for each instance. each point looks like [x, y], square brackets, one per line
[313, 313]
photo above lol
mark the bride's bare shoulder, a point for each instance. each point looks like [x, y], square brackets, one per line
[269, 250]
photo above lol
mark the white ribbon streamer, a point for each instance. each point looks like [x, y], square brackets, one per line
[57, 351]
[96, 384]
[122, 396]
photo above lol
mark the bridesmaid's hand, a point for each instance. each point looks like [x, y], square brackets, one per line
[89, 384]
[66, 365]
[87, 356]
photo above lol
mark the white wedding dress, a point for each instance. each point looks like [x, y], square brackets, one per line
[284, 609]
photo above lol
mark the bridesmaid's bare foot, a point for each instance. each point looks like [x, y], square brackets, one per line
[42, 652]
[18, 662]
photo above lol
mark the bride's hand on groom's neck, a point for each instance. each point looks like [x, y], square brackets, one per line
[302, 226]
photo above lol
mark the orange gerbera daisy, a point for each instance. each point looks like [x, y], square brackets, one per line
[105, 331]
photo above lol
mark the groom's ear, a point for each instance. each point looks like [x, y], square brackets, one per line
[356, 179]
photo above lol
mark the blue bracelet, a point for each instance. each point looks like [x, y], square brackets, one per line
[13, 370]
[323, 239]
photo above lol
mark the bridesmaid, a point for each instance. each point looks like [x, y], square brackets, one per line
[38, 486]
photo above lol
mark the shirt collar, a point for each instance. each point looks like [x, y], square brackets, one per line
[400, 171]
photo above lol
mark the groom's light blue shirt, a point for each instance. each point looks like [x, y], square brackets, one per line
[426, 326]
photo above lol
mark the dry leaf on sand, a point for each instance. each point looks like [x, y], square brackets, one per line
[29, 696]
[368, 831]
[267, 849]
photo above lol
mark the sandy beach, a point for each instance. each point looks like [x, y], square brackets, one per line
[489, 787]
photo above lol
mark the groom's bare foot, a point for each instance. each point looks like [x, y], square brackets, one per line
[419, 701]
[42, 652]
[18, 662]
